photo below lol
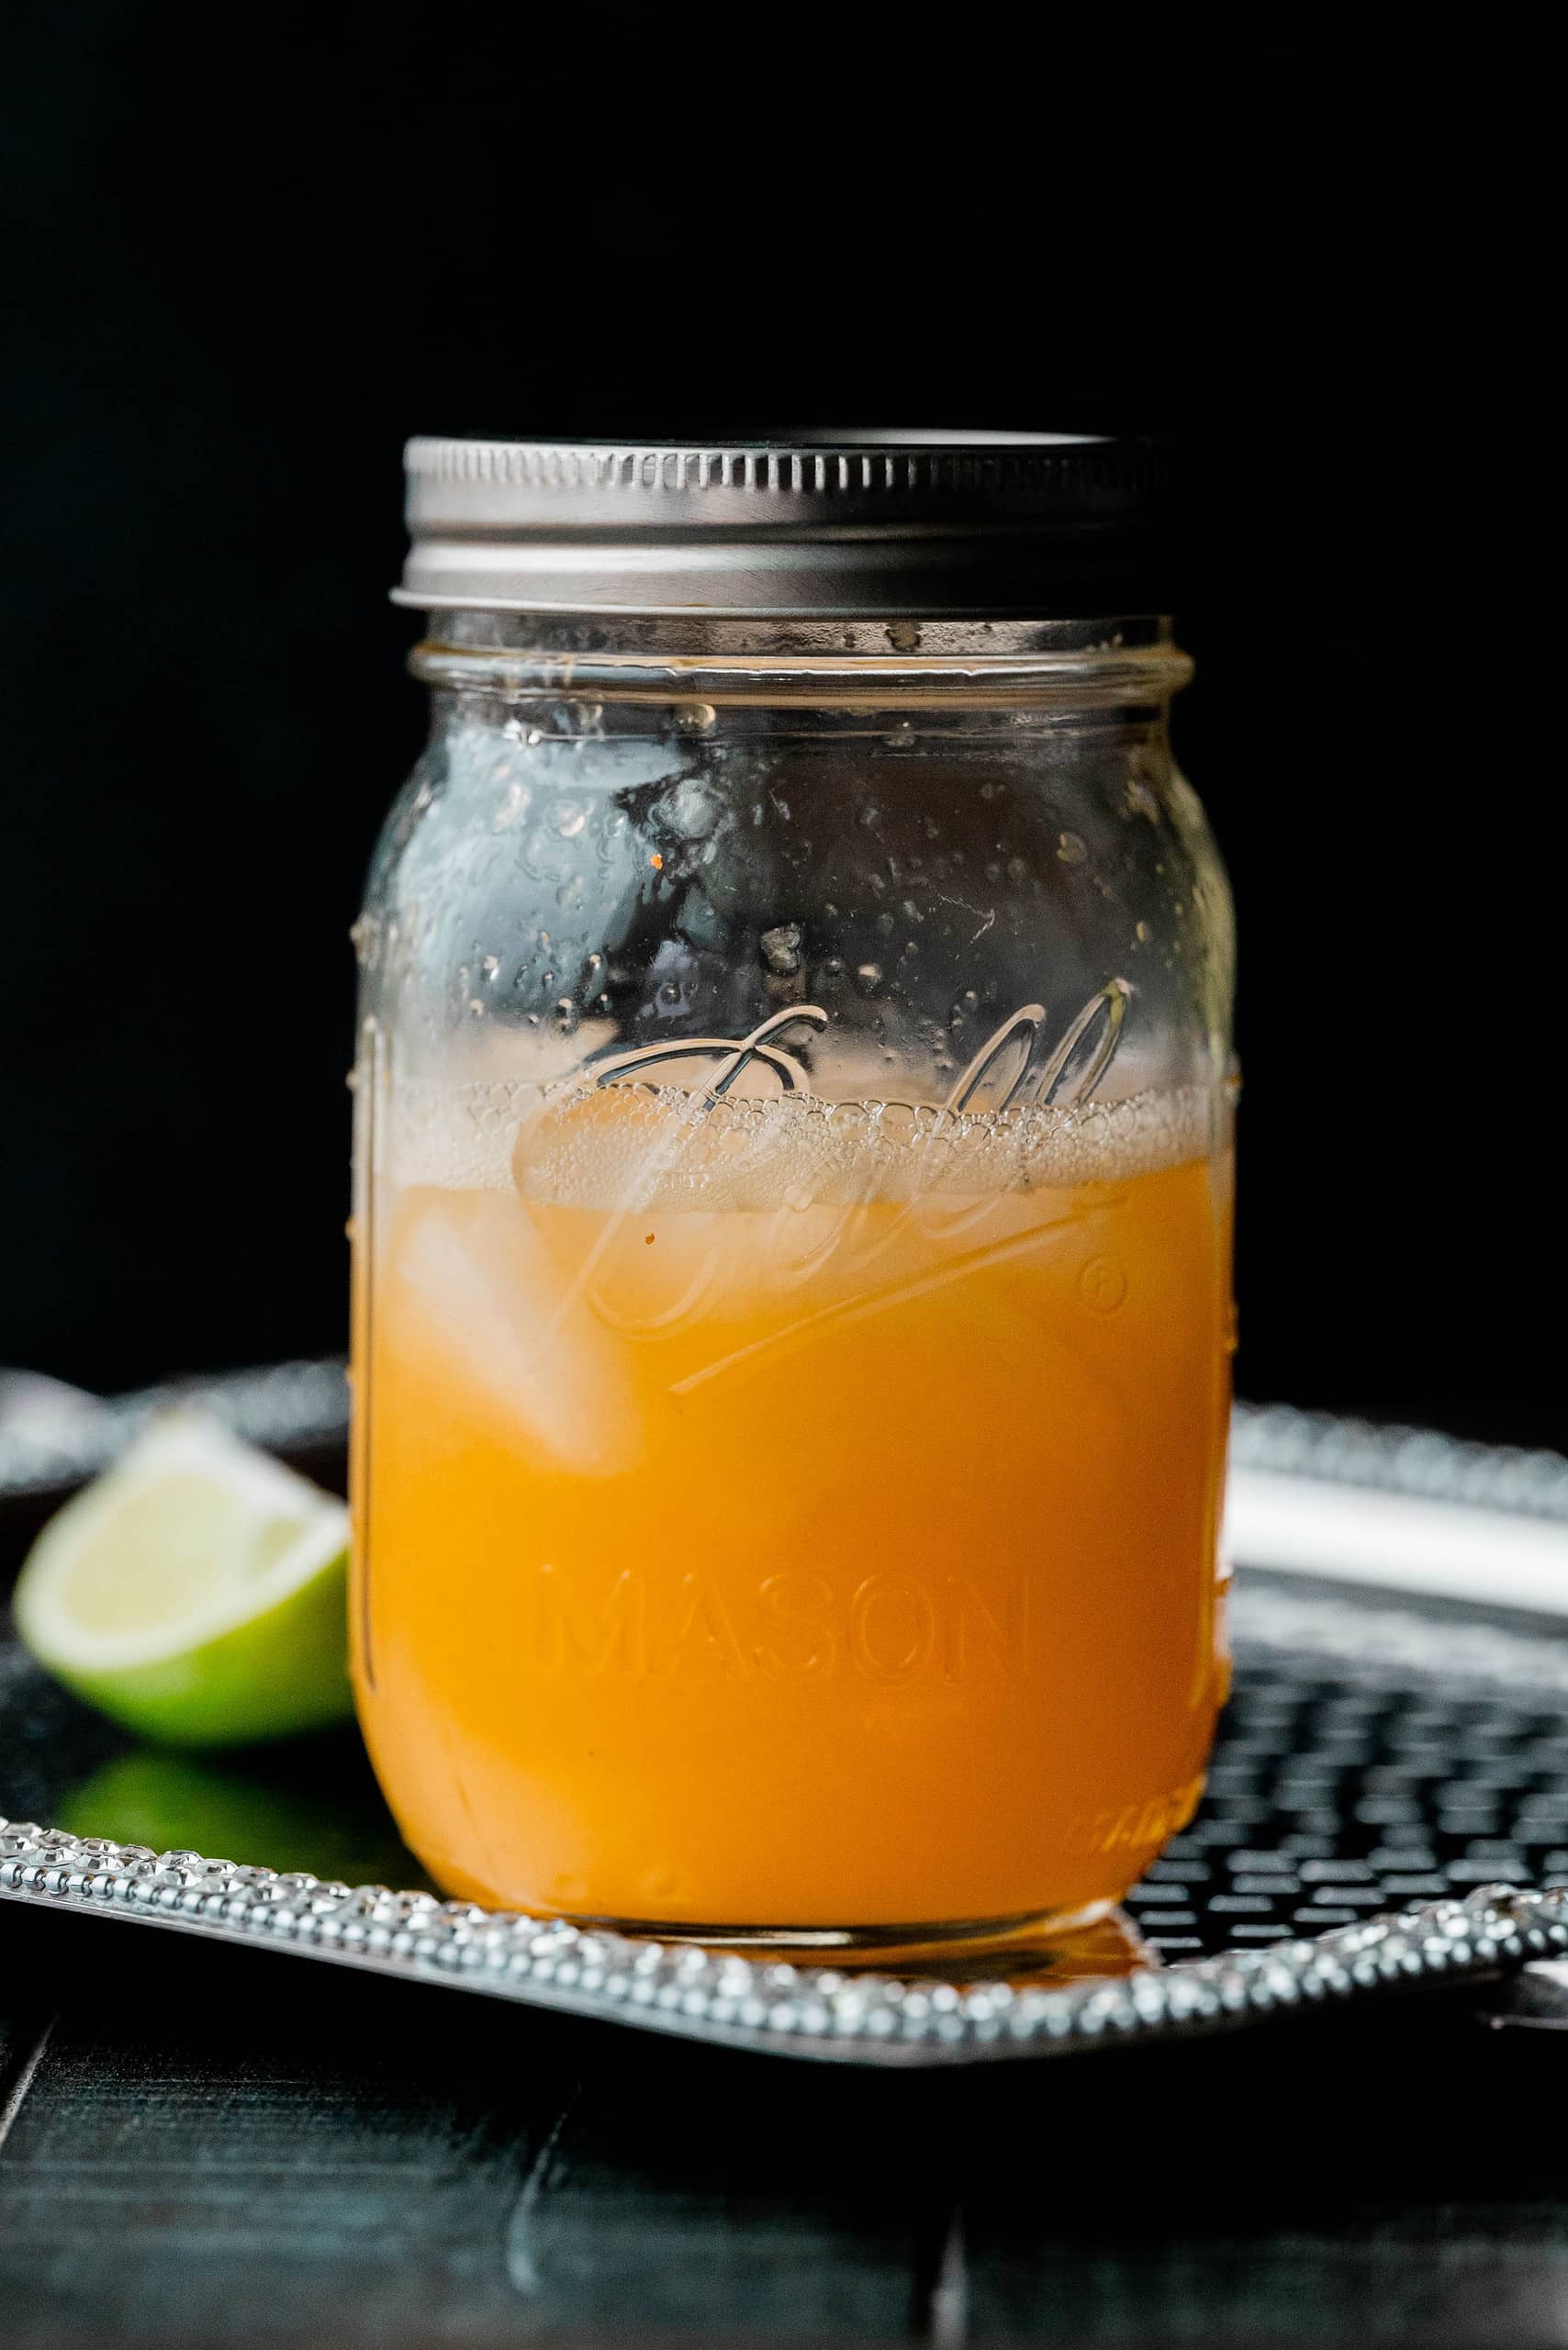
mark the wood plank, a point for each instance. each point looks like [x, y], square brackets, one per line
[263, 2144]
[314, 2157]
[690, 2191]
[1342, 2180]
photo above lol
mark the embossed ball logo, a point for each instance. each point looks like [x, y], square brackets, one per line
[696, 1145]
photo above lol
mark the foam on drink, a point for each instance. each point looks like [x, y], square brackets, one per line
[627, 1143]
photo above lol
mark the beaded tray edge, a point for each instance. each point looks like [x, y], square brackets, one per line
[741, 2003]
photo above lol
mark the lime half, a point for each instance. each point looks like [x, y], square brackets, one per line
[195, 1592]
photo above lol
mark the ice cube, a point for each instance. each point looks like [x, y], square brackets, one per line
[477, 1285]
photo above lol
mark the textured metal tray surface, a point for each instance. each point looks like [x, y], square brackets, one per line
[1387, 1805]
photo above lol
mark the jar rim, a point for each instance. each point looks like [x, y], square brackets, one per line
[1112, 671]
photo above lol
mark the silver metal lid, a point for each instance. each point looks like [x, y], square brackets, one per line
[811, 525]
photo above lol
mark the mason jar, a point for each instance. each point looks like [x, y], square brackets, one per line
[792, 1222]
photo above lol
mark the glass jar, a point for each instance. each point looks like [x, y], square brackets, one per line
[792, 1308]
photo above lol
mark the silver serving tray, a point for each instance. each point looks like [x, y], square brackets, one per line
[924, 2020]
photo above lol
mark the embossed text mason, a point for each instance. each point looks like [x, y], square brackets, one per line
[792, 1318]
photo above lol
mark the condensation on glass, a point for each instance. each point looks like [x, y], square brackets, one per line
[792, 1296]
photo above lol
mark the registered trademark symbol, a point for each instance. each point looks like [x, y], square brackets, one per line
[1102, 1284]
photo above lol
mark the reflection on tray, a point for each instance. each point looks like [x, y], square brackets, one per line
[308, 1804]
[313, 1806]
[1111, 1946]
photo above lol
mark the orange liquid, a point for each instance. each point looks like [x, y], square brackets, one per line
[742, 1551]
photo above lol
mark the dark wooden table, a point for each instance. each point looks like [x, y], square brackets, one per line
[213, 2144]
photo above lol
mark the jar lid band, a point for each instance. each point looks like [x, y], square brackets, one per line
[810, 526]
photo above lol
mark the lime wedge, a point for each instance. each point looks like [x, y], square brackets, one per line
[195, 1592]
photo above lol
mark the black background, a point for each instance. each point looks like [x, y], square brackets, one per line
[243, 276]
